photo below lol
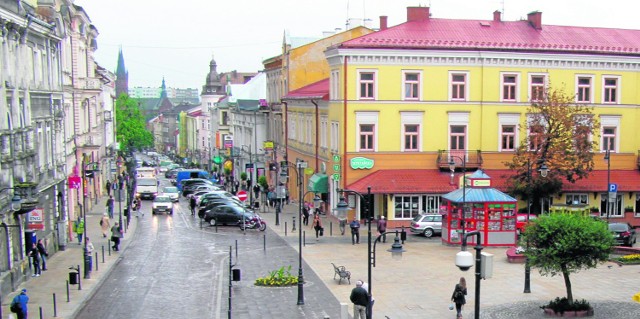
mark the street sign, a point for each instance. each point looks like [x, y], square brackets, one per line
[308, 171]
[613, 192]
[336, 158]
[281, 192]
[336, 177]
[36, 219]
[613, 187]
[242, 195]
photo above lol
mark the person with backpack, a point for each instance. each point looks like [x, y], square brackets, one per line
[19, 304]
[458, 296]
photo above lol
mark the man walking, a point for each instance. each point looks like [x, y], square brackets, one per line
[382, 227]
[355, 231]
[110, 204]
[79, 229]
[116, 234]
[108, 187]
[22, 299]
[360, 301]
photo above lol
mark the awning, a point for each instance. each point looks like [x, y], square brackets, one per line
[318, 183]
[405, 181]
[478, 195]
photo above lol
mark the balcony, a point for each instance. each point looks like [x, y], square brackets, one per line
[473, 159]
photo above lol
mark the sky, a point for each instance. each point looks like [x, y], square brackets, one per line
[177, 39]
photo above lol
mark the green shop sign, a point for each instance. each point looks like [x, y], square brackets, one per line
[361, 163]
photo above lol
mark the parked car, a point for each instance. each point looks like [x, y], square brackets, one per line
[216, 194]
[427, 224]
[190, 184]
[623, 233]
[208, 201]
[172, 173]
[228, 214]
[521, 222]
[162, 204]
[172, 192]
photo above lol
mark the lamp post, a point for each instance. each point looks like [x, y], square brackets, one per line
[527, 266]
[464, 261]
[396, 248]
[452, 167]
[607, 156]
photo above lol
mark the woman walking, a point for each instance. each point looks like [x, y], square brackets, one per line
[317, 225]
[116, 234]
[458, 296]
[105, 224]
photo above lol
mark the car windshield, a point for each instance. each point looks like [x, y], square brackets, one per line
[617, 227]
[147, 182]
[417, 218]
[171, 189]
[162, 199]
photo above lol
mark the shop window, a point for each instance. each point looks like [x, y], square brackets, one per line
[616, 208]
[406, 207]
[637, 208]
[577, 199]
[431, 204]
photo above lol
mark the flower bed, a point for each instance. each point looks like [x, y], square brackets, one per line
[515, 256]
[278, 278]
[633, 259]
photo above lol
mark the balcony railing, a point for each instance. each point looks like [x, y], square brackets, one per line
[473, 159]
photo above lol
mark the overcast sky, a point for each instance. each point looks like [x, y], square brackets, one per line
[176, 39]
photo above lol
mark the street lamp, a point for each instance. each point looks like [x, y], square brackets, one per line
[464, 261]
[607, 157]
[396, 248]
[250, 172]
[544, 170]
[452, 167]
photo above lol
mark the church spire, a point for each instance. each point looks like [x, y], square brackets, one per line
[212, 85]
[163, 92]
[122, 76]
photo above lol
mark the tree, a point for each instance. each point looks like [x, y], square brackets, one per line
[559, 133]
[566, 243]
[131, 130]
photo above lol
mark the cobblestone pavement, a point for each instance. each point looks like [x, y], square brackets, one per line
[531, 310]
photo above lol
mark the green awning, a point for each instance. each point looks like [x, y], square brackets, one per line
[318, 183]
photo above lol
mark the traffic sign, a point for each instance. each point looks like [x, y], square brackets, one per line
[242, 195]
[336, 177]
[613, 187]
[336, 158]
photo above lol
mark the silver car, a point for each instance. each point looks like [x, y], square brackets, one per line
[427, 224]
[172, 192]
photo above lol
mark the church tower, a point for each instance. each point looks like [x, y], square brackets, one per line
[122, 76]
[212, 85]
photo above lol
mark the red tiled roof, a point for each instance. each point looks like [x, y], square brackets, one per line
[423, 181]
[318, 90]
[500, 35]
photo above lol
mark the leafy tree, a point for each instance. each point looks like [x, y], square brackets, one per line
[558, 134]
[566, 243]
[131, 130]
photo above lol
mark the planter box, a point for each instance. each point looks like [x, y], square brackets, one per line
[514, 258]
[548, 312]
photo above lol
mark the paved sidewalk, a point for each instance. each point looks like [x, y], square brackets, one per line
[53, 281]
[421, 284]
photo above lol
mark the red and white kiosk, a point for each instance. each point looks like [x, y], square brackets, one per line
[487, 209]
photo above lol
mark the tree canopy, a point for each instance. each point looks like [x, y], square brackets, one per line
[559, 133]
[567, 243]
[131, 130]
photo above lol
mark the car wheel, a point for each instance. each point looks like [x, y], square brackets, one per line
[213, 222]
[428, 232]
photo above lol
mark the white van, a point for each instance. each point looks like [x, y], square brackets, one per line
[147, 187]
[146, 172]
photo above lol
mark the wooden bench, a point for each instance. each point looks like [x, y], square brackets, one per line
[342, 272]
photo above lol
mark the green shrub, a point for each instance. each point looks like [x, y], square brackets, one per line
[561, 305]
[278, 278]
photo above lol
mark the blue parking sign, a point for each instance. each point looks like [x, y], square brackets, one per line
[613, 187]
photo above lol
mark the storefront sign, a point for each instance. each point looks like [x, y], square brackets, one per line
[336, 158]
[267, 145]
[480, 183]
[361, 163]
[74, 182]
[336, 177]
[36, 219]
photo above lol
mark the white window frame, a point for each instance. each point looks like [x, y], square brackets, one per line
[509, 119]
[419, 85]
[610, 121]
[531, 86]
[517, 86]
[466, 85]
[334, 94]
[579, 87]
[323, 131]
[579, 196]
[375, 84]
[370, 118]
[335, 136]
[617, 88]
[309, 135]
[411, 118]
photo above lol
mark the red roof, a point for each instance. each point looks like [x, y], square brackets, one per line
[317, 90]
[500, 35]
[423, 181]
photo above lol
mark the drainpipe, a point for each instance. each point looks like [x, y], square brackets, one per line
[317, 134]
[344, 127]
[286, 130]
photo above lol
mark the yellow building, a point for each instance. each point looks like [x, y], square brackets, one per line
[404, 101]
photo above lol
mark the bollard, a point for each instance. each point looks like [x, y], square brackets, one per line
[293, 229]
[304, 238]
[216, 227]
[79, 279]
[236, 249]
[103, 254]
[97, 261]
[330, 228]
[109, 245]
[285, 228]
[40, 309]
[264, 242]
[55, 308]
[68, 299]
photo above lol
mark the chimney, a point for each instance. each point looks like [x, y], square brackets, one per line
[496, 16]
[417, 14]
[535, 19]
[383, 23]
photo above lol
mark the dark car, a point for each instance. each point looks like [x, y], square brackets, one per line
[188, 185]
[623, 233]
[211, 203]
[227, 215]
[172, 173]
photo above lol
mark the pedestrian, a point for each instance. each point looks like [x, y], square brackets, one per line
[110, 203]
[360, 301]
[137, 206]
[305, 214]
[88, 253]
[43, 254]
[79, 229]
[256, 191]
[365, 286]
[382, 228]
[192, 205]
[35, 260]
[271, 196]
[22, 300]
[105, 224]
[317, 225]
[355, 231]
[116, 234]
[458, 298]
[108, 187]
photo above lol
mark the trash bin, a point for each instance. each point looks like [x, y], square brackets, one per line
[73, 277]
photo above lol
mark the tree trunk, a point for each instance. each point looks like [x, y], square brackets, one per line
[567, 282]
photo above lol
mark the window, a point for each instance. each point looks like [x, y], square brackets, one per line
[406, 207]
[637, 208]
[366, 85]
[610, 90]
[615, 208]
[323, 131]
[509, 87]
[577, 199]
[609, 139]
[411, 85]
[431, 204]
[366, 137]
[458, 86]
[583, 93]
[537, 84]
[335, 134]
[508, 138]
[535, 137]
[411, 137]
[335, 85]
[458, 135]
